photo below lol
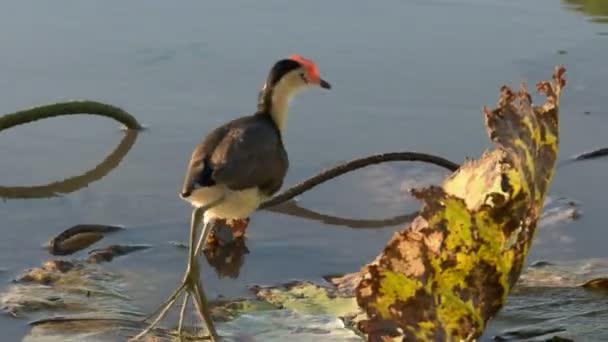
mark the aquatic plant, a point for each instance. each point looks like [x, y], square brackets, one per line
[446, 275]
[597, 9]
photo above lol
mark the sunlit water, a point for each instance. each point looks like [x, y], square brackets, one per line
[407, 75]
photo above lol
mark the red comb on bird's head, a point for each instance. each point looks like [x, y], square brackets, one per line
[309, 65]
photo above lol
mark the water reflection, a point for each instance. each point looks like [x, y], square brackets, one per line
[292, 208]
[596, 9]
[74, 183]
[226, 254]
[227, 260]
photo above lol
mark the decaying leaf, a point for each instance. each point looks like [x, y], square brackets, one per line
[80, 300]
[71, 286]
[553, 297]
[108, 254]
[565, 274]
[228, 310]
[67, 287]
[447, 275]
[50, 272]
[597, 284]
[237, 320]
[266, 325]
[526, 334]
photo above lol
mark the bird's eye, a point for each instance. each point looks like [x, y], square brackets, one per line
[303, 76]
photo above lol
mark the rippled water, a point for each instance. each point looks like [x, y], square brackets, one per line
[407, 75]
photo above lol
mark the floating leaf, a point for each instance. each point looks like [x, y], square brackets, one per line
[559, 339]
[308, 298]
[286, 325]
[231, 309]
[237, 319]
[267, 326]
[597, 284]
[560, 210]
[68, 288]
[596, 9]
[526, 333]
[564, 274]
[451, 271]
[79, 237]
[107, 254]
[80, 301]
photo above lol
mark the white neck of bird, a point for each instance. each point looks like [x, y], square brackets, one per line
[276, 101]
[281, 97]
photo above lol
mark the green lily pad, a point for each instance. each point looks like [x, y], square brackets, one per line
[231, 309]
[309, 298]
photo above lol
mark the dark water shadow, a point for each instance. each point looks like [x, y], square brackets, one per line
[292, 208]
[228, 258]
[597, 10]
[72, 184]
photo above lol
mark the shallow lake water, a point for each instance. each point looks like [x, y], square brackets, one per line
[406, 75]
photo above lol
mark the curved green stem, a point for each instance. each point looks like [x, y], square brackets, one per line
[69, 108]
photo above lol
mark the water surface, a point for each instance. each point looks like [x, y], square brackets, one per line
[406, 75]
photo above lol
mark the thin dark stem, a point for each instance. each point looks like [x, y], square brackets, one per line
[352, 165]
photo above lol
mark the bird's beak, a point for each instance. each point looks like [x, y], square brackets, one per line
[324, 84]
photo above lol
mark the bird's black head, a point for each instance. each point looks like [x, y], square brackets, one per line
[280, 69]
[305, 71]
[286, 78]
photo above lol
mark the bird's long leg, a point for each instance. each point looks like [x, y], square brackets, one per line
[182, 313]
[197, 216]
[203, 238]
[162, 314]
[195, 286]
[171, 300]
[192, 276]
[200, 302]
[198, 292]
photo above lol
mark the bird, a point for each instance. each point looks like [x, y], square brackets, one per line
[236, 167]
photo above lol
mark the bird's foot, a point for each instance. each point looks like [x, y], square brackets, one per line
[190, 288]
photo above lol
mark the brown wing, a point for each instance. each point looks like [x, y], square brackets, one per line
[245, 153]
[199, 171]
[250, 155]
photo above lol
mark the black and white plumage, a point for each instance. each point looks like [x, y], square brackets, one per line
[234, 169]
[245, 160]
